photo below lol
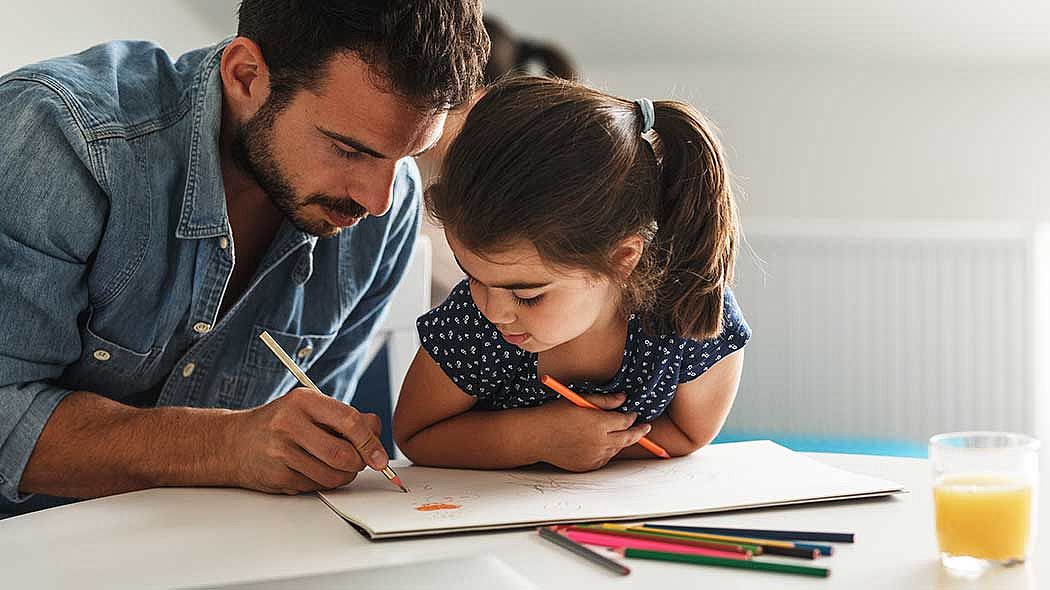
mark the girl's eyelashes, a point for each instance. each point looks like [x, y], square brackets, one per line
[526, 301]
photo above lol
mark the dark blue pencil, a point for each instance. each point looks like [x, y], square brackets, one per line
[824, 550]
[761, 533]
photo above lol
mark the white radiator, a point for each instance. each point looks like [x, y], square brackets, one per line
[892, 331]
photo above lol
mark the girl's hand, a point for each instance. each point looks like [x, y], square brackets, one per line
[582, 439]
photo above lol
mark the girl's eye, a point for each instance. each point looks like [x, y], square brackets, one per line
[526, 301]
[529, 302]
[345, 154]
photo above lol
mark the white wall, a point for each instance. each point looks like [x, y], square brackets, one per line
[38, 29]
[875, 141]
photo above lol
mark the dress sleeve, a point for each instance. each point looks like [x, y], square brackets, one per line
[463, 343]
[700, 355]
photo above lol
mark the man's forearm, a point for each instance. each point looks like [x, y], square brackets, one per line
[478, 439]
[93, 446]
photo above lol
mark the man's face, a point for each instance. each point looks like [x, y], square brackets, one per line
[328, 158]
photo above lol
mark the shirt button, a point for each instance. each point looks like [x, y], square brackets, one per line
[188, 369]
[201, 327]
[101, 355]
[304, 352]
[224, 242]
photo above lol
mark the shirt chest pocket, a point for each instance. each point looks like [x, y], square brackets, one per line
[106, 365]
[264, 376]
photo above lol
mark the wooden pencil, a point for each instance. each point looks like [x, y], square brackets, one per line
[784, 548]
[305, 381]
[750, 564]
[575, 398]
[712, 537]
[742, 549]
[764, 533]
[578, 549]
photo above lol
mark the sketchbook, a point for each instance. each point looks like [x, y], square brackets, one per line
[719, 477]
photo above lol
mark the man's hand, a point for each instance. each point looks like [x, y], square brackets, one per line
[304, 441]
[582, 439]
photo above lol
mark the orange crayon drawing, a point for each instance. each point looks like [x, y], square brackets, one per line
[429, 507]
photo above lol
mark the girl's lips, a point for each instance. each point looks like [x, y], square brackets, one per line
[516, 339]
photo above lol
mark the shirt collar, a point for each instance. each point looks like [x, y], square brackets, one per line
[204, 199]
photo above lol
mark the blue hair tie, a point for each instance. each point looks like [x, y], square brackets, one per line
[648, 114]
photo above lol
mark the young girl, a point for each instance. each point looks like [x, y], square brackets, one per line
[598, 237]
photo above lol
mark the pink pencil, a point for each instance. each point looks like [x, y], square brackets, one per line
[603, 540]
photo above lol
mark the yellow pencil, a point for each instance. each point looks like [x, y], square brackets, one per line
[686, 535]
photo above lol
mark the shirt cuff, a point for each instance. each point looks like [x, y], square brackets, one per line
[38, 401]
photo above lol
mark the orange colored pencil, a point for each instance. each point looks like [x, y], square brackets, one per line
[579, 401]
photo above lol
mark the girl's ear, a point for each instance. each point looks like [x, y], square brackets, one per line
[626, 255]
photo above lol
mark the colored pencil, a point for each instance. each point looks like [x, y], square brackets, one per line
[764, 534]
[579, 401]
[750, 564]
[619, 542]
[584, 552]
[736, 548]
[784, 548]
[754, 548]
[711, 537]
[826, 550]
[307, 382]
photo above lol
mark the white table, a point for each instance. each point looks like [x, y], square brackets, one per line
[174, 537]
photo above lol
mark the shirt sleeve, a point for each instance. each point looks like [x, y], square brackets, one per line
[339, 370]
[54, 211]
[463, 343]
[700, 355]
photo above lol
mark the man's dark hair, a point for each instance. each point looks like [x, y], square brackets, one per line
[432, 53]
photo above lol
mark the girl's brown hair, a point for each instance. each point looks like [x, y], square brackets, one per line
[567, 168]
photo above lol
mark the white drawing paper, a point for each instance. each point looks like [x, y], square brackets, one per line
[716, 478]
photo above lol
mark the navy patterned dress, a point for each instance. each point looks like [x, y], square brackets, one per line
[471, 351]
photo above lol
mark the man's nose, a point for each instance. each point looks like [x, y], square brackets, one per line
[377, 193]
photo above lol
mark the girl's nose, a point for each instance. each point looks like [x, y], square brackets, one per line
[499, 309]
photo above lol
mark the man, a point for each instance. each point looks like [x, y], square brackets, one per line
[158, 216]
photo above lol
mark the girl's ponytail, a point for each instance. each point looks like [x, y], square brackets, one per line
[697, 227]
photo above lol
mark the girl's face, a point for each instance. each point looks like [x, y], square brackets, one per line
[535, 307]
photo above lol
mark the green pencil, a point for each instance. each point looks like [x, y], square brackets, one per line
[783, 568]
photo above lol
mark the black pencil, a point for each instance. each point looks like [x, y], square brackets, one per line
[762, 534]
[584, 552]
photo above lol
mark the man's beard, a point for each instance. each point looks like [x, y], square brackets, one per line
[252, 152]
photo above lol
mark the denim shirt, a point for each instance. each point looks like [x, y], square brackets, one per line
[116, 249]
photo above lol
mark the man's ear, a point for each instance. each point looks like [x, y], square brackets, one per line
[626, 255]
[245, 78]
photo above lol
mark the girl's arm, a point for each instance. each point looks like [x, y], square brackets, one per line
[697, 413]
[435, 424]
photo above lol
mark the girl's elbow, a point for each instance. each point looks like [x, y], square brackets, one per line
[692, 444]
[403, 438]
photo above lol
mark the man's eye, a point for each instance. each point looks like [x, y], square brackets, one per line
[345, 153]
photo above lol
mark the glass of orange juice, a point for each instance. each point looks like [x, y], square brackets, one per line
[984, 497]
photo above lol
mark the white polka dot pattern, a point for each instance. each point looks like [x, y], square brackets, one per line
[470, 350]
